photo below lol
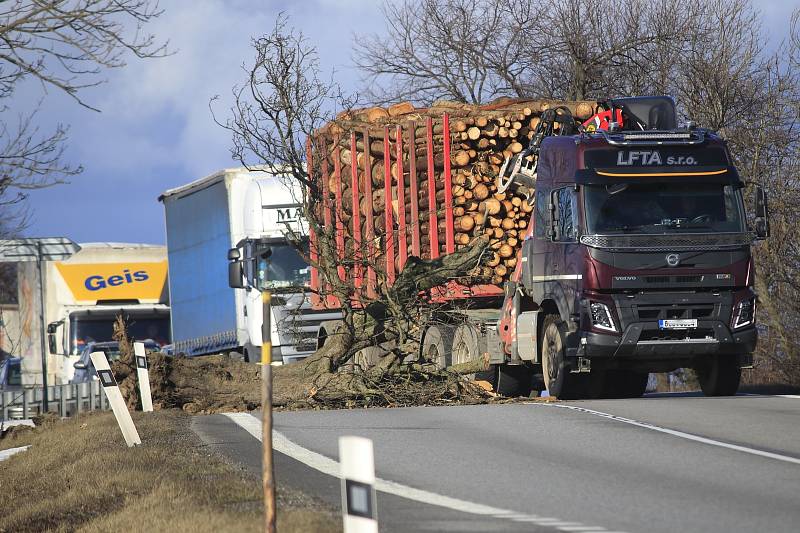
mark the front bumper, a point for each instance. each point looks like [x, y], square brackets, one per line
[638, 315]
[630, 343]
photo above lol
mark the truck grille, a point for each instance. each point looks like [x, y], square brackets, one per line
[669, 243]
[666, 312]
[298, 324]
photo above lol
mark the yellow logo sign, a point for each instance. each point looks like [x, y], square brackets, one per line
[115, 281]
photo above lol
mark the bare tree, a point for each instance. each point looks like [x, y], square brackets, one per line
[283, 120]
[441, 49]
[64, 46]
[475, 51]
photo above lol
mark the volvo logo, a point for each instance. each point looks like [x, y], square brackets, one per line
[673, 260]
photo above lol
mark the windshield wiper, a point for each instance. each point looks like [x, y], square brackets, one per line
[629, 229]
[686, 225]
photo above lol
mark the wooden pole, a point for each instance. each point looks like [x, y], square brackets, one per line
[267, 469]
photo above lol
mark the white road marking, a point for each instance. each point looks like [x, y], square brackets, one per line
[795, 396]
[330, 467]
[676, 433]
[5, 454]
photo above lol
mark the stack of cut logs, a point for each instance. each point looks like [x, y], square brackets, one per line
[481, 139]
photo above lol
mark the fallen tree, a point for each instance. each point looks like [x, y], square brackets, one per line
[275, 120]
[324, 380]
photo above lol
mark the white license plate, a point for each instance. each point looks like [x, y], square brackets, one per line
[687, 323]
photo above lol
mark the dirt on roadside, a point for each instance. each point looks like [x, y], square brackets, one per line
[203, 385]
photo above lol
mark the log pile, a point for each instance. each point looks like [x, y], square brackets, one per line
[480, 140]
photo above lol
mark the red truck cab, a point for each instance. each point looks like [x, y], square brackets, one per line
[638, 260]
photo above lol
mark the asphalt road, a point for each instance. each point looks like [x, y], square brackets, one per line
[657, 464]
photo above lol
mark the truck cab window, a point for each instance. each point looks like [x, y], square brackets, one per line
[285, 268]
[567, 213]
[659, 208]
[541, 217]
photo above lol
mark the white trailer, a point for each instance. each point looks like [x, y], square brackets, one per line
[204, 219]
[83, 296]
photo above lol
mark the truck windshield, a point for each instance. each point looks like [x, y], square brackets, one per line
[662, 208]
[85, 330]
[285, 268]
[11, 374]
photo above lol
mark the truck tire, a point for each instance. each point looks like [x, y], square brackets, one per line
[558, 380]
[720, 376]
[437, 344]
[508, 380]
[368, 357]
[465, 347]
[251, 355]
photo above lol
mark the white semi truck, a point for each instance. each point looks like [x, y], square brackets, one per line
[83, 296]
[204, 220]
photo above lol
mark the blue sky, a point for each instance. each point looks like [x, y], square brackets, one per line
[155, 131]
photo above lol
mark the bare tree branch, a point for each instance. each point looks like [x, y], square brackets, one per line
[66, 46]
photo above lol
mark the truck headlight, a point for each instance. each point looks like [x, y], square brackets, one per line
[601, 316]
[744, 313]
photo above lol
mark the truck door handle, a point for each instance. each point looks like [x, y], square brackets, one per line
[245, 310]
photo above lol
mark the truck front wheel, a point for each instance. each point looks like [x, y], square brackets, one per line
[558, 380]
[720, 376]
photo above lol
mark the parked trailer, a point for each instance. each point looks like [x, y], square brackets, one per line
[591, 307]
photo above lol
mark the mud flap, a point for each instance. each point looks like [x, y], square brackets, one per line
[527, 344]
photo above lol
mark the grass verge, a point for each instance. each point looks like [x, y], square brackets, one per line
[78, 475]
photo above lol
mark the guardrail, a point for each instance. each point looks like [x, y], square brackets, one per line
[66, 400]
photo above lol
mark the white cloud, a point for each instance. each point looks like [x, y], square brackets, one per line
[155, 130]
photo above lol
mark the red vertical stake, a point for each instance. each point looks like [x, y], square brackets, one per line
[312, 237]
[326, 202]
[357, 271]
[370, 229]
[448, 190]
[412, 169]
[433, 223]
[337, 174]
[401, 199]
[387, 183]
[326, 205]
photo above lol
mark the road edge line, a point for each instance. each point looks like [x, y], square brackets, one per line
[677, 433]
[328, 466]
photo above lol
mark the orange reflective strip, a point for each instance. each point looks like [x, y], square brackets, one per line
[619, 175]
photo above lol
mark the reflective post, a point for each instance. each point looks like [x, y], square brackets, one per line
[267, 473]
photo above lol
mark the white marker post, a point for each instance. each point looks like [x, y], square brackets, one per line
[359, 507]
[144, 377]
[115, 398]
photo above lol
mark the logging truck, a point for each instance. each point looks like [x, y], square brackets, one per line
[619, 241]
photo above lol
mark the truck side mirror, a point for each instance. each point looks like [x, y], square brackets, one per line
[761, 223]
[552, 230]
[52, 342]
[510, 289]
[235, 275]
